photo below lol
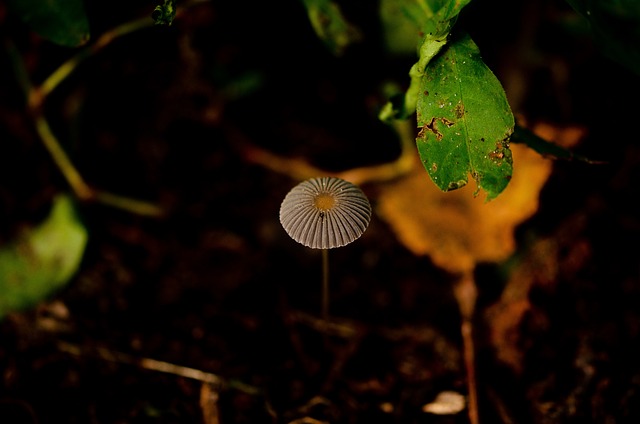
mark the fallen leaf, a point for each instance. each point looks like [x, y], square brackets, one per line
[457, 229]
[560, 255]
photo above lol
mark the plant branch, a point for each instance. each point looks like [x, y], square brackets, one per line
[35, 99]
[139, 207]
[301, 169]
[160, 366]
[69, 171]
[67, 68]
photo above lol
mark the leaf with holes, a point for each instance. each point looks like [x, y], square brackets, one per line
[464, 121]
[432, 20]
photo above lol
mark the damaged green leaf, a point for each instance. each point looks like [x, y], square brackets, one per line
[464, 121]
[433, 19]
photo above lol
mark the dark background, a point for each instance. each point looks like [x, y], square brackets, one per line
[217, 285]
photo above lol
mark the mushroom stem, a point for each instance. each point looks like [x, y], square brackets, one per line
[325, 213]
[325, 285]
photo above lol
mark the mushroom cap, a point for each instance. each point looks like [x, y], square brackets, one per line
[325, 212]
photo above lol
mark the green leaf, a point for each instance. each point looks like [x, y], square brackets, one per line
[330, 25]
[465, 121]
[63, 22]
[401, 22]
[616, 28]
[41, 260]
[164, 13]
[435, 19]
[406, 22]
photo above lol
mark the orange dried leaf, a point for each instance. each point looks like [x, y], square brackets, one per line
[561, 255]
[456, 229]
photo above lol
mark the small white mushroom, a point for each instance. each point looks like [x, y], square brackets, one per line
[324, 213]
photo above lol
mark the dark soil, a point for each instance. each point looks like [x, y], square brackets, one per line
[217, 286]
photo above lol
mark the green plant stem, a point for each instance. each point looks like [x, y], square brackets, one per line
[139, 207]
[81, 189]
[64, 70]
[35, 99]
[325, 285]
[67, 68]
[301, 169]
[70, 173]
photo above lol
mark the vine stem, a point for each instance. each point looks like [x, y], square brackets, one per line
[69, 171]
[301, 169]
[159, 366]
[36, 97]
[67, 68]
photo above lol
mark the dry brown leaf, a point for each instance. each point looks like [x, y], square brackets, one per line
[456, 229]
[560, 255]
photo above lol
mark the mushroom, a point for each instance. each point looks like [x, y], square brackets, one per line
[325, 213]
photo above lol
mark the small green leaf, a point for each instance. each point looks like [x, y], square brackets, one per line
[42, 259]
[330, 25]
[434, 19]
[63, 22]
[401, 20]
[465, 121]
[164, 13]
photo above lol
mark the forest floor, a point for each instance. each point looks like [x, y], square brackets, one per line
[210, 313]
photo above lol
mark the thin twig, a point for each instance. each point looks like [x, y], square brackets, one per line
[35, 99]
[67, 68]
[332, 328]
[60, 158]
[301, 169]
[128, 204]
[466, 293]
[160, 366]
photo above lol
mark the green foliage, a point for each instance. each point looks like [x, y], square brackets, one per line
[165, 13]
[330, 25]
[465, 121]
[464, 118]
[452, 72]
[401, 32]
[434, 19]
[41, 260]
[615, 25]
[62, 22]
